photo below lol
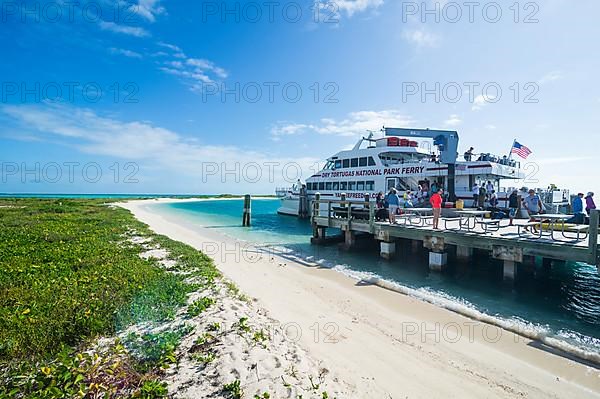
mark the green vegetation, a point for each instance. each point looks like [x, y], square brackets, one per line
[242, 325]
[69, 274]
[158, 349]
[200, 306]
[234, 390]
[234, 291]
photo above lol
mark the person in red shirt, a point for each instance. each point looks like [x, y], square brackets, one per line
[436, 203]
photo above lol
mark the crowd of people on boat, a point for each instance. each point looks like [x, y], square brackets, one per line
[471, 156]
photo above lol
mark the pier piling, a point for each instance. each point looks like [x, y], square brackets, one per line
[246, 217]
[594, 221]
[510, 270]
[464, 253]
[388, 249]
[303, 211]
[438, 261]
[349, 239]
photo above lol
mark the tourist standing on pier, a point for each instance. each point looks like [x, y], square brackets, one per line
[494, 199]
[381, 213]
[436, 203]
[514, 205]
[482, 197]
[475, 195]
[589, 203]
[408, 199]
[533, 204]
[578, 215]
[394, 203]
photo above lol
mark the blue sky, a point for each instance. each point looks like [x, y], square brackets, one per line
[148, 88]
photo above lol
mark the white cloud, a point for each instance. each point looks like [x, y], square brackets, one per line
[421, 38]
[125, 52]
[490, 127]
[149, 145]
[351, 7]
[453, 120]
[355, 124]
[170, 47]
[147, 9]
[550, 77]
[127, 30]
[481, 101]
[194, 71]
[285, 129]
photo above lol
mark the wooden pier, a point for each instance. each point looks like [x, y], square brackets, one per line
[505, 244]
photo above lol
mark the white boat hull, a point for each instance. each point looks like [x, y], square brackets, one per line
[289, 206]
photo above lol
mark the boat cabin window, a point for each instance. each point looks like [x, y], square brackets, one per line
[328, 186]
[336, 186]
[362, 161]
[371, 161]
[346, 163]
[344, 186]
[391, 183]
[322, 186]
[354, 162]
[370, 186]
[352, 186]
[309, 186]
[360, 186]
[329, 165]
[338, 164]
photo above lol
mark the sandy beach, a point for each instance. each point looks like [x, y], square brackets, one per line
[378, 343]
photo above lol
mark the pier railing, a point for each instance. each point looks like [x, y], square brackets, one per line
[363, 211]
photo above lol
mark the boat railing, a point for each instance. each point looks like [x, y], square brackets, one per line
[487, 157]
[283, 191]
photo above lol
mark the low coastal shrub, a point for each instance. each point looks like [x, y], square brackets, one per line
[234, 389]
[200, 306]
[156, 349]
[69, 274]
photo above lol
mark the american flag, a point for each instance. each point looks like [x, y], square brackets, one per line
[521, 150]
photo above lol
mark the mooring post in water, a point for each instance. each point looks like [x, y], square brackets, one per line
[303, 211]
[316, 205]
[247, 211]
[594, 220]
[315, 215]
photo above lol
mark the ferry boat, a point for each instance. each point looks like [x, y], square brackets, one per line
[399, 160]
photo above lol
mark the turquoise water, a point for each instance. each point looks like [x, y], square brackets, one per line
[563, 301]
